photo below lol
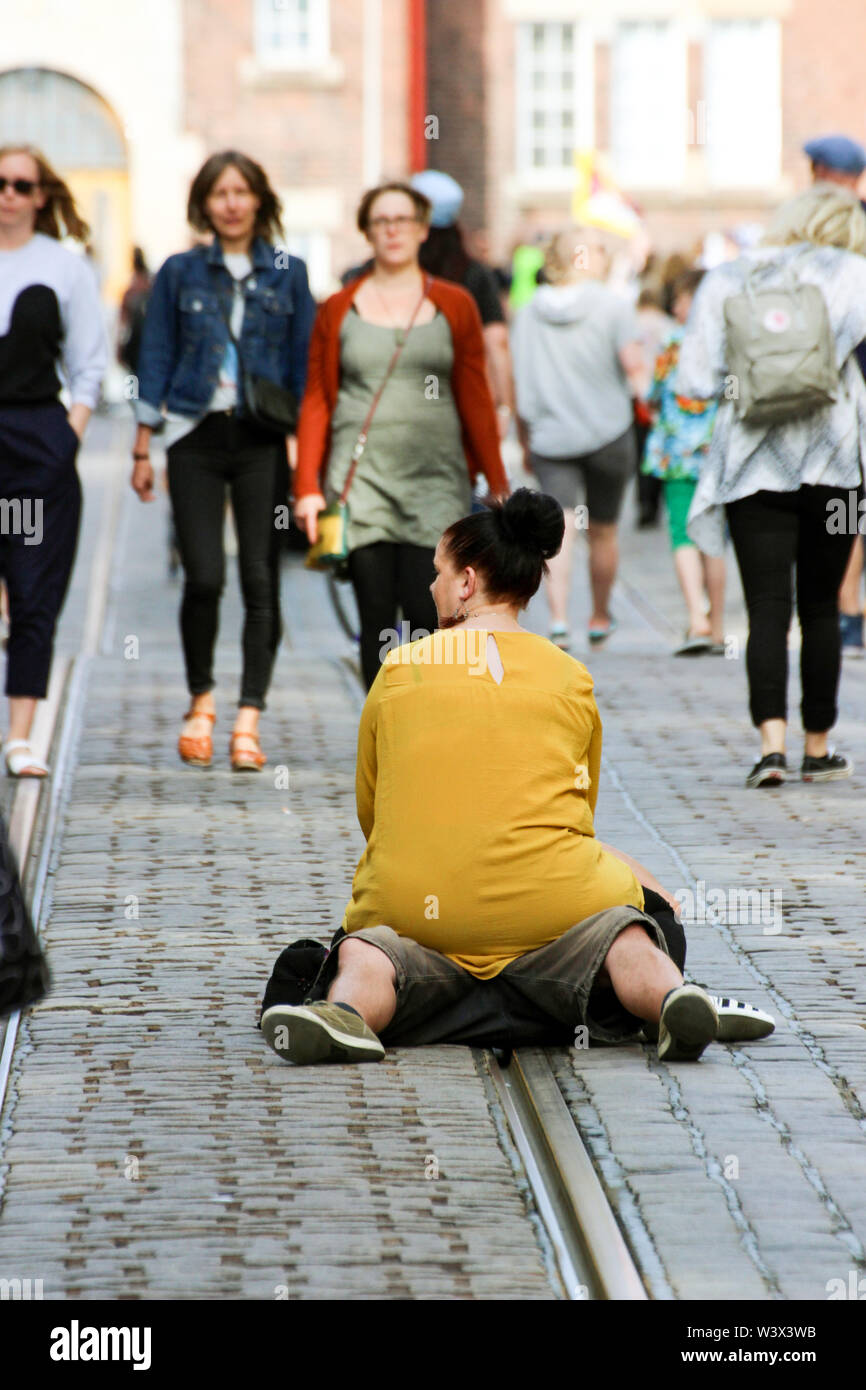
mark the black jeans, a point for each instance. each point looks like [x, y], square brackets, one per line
[387, 576]
[227, 451]
[772, 533]
[41, 492]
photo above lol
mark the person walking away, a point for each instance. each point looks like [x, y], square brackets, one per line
[51, 334]
[133, 310]
[577, 366]
[786, 451]
[676, 446]
[417, 340]
[653, 327]
[839, 159]
[220, 315]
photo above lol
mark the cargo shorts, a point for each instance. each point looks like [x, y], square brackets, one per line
[540, 998]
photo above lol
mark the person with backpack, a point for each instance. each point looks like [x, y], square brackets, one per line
[772, 337]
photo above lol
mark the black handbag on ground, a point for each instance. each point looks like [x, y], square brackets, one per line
[24, 976]
[294, 973]
[273, 407]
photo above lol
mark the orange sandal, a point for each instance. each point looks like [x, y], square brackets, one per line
[197, 750]
[246, 759]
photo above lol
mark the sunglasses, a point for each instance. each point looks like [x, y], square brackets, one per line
[23, 186]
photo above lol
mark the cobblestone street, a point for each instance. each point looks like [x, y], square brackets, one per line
[152, 1146]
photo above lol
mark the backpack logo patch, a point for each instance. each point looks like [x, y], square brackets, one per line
[777, 320]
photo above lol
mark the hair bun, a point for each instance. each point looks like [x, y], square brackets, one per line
[532, 520]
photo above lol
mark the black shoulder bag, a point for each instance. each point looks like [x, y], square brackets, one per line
[273, 407]
[24, 977]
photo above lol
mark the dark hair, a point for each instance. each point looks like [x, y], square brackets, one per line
[509, 544]
[270, 209]
[423, 206]
[139, 262]
[59, 217]
[685, 283]
[443, 254]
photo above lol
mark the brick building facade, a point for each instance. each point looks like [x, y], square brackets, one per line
[698, 108]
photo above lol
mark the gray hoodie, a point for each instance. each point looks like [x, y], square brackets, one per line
[570, 386]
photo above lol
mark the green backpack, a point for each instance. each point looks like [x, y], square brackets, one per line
[781, 355]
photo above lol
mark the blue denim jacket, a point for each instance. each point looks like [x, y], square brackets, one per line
[186, 331]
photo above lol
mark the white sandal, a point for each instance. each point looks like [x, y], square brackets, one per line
[24, 757]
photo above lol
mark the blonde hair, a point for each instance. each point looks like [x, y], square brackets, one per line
[566, 256]
[59, 217]
[825, 214]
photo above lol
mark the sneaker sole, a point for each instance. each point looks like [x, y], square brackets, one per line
[774, 777]
[743, 1025]
[834, 776]
[688, 1024]
[311, 1039]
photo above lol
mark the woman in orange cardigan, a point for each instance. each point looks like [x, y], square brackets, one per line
[434, 428]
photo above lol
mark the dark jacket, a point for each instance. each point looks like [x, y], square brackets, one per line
[186, 329]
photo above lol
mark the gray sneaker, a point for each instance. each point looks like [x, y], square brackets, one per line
[689, 1021]
[319, 1032]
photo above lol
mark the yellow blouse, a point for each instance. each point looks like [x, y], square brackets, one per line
[476, 799]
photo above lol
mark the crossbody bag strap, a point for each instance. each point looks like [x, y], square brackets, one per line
[361, 442]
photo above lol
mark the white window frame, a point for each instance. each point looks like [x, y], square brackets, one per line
[658, 166]
[284, 58]
[561, 172]
[727, 165]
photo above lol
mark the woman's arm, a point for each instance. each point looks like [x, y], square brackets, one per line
[85, 350]
[314, 427]
[366, 768]
[472, 396]
[158, 354]
[642, 874]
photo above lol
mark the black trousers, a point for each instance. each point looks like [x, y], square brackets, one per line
[387, 577]
[40, 510]
[225, 451]
[775, 533]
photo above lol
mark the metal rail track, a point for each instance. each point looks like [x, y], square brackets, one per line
[593, 1259]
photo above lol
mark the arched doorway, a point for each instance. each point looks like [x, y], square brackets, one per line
[83, 138]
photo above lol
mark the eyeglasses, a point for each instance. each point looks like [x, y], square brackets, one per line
[23, 186]
[378, 224]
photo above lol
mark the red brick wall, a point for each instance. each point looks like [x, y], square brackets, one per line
[456, 96]
[306, 135]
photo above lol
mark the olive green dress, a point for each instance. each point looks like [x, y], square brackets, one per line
[412, 481]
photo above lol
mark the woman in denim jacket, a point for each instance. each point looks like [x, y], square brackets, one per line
[190, 383]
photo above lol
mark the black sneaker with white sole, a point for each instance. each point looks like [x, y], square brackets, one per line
[770, 771]
[827, 769]
[688, 1022]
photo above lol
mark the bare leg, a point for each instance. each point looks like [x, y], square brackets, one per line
[849, 592]
[196, 726]
[641, 974]
[772, 733]
[816, 745]
[365, 979]
[714, 581]
[687, 563]
[603, 563]
[558, 582]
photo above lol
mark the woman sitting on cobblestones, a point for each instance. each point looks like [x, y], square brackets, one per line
[479, 757]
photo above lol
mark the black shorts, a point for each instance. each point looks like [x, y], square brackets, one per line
[604, 473]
